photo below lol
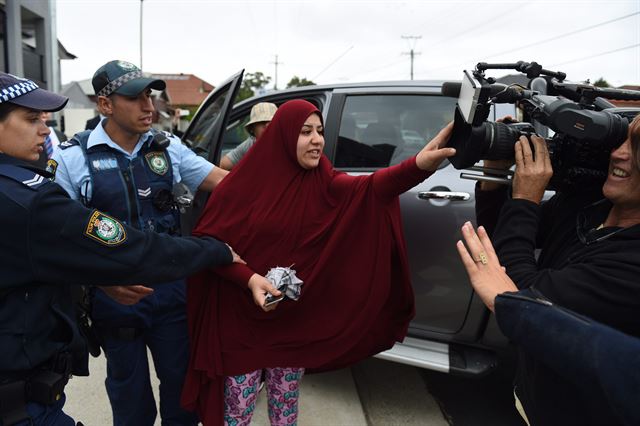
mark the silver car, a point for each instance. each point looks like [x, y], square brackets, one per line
[373, 125]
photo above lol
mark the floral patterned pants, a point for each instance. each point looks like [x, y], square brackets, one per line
[241, 392]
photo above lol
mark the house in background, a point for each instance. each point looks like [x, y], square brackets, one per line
[81, 106]
[635, 104]
[180, 100]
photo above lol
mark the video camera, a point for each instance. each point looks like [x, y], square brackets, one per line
[586, 126]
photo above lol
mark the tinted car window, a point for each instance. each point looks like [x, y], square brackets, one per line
[200, 137]
[235, 133]
[382, 130]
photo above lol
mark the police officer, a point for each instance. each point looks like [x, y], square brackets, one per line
[128, 170]
[51, 242]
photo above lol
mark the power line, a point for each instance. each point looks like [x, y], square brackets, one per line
[596, 55]
[564, 35]
[590, 27]
[492, 22]
[383, 67]
[334, 61]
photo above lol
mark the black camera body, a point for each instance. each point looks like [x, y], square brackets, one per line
[586, 126]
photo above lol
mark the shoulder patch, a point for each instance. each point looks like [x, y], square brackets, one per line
[52, 166]
[69, 143]
[105, 229]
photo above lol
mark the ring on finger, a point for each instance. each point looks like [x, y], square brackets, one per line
[482, 258]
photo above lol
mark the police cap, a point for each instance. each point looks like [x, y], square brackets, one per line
[26, 93]
[123, 78]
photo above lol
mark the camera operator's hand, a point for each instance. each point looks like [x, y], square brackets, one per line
[260, 287]
[533, 172]
[434, 153]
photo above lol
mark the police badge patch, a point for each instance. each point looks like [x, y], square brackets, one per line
[157, 162]
[105, 229]
[52, 166]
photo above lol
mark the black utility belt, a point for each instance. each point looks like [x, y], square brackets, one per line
[42, 387]
[121, 333]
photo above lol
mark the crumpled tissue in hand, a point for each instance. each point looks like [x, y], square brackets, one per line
[285, 280]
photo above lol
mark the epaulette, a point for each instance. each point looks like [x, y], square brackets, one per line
[169, 134]
[26, 177]
[69, 143]
[164, 132]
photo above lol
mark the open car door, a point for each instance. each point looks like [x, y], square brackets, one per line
[203, 137]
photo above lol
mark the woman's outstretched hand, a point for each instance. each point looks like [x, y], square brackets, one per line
[430, 157]
[260, 287]
[481, 262]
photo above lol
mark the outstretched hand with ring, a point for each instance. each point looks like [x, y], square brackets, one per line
[481, 262]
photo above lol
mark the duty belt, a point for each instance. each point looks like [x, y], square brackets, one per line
[43, 385]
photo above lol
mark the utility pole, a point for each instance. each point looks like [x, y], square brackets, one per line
[141, 1]
[275, 83]
[411, 52]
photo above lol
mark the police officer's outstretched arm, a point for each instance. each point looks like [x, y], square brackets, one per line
[72, 244]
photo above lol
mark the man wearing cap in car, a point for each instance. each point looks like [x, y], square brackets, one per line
[260, 116]
[127, 169]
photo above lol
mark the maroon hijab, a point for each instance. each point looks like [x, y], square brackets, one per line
[345, 242]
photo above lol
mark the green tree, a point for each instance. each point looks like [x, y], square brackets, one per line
[297, 82]
[250, 83]
[601, 82]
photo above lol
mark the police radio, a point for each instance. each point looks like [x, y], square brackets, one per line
[160, 142]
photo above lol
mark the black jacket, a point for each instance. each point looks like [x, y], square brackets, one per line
[585, 353]
[593, 272]
[51, 242]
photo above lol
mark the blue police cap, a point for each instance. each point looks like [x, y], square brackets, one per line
[26, 93]
[123, 78]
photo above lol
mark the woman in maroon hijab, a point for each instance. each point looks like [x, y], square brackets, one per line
[284, 204]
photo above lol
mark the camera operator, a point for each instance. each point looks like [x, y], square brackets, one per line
[589, 261]
[598, 359]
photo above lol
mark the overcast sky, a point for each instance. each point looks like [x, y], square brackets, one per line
[348, 41]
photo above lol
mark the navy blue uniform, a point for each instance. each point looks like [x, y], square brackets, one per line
[136, 187]
[51, 242]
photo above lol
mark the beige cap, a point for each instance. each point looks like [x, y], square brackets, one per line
[261, 112]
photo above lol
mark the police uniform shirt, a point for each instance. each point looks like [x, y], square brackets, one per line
[51, 241]
[72, 172]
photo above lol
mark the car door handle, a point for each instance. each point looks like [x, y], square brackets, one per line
[444, 195]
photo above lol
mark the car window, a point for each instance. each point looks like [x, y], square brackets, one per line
[235, 133]
[201, 135]
[382, 130]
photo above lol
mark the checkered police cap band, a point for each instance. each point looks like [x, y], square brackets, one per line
[119, 82]
[16, 90]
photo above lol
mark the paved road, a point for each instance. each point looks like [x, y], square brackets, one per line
[371, 393]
